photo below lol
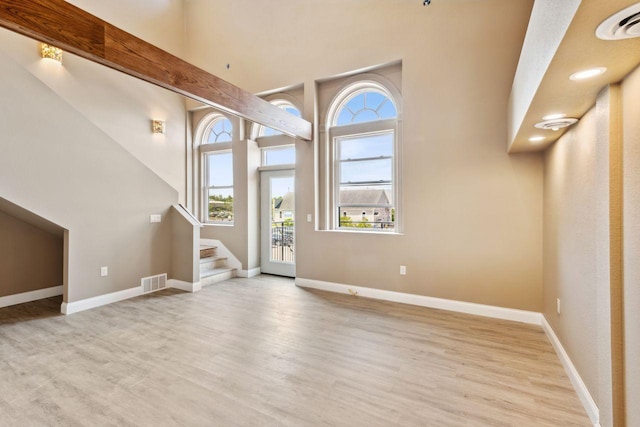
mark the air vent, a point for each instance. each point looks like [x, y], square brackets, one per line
[622, 25]
[557, 123]
[153, 283]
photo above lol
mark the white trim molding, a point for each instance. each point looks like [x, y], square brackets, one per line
[23, 297]
[425, 301]
[252, 272]
[184, 286]
[86, 304]
[89, 303]
[581, 389]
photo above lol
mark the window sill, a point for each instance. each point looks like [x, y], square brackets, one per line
[376, 233]
[216, 224]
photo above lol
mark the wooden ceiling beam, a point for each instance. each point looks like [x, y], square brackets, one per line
[74, 30]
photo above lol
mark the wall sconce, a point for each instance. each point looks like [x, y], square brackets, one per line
[157, 126]
[51, 52]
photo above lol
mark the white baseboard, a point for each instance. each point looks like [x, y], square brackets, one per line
[581, 389]
[23, 297]
[184, 286]
[425, 301]
[252, 272]
[86, 304]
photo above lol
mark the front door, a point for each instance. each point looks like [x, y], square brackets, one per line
[277, 214]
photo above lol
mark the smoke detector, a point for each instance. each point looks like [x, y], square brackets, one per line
[556, 124]
[622, 25]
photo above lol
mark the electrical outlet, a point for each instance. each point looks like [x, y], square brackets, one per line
[403, 270]
[104, 271]
[309, 218]
[558, 305]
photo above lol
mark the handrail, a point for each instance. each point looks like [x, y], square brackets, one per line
[192, 216]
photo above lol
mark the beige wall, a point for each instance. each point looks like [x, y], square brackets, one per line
[57, 164]
[631, 242]
[30, 258]
[185, 245]
[473, 214]
[588, 199]
[573, 217]
[119, 105]
[77, 149]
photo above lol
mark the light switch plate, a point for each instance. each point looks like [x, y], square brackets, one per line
[104, 271]
[155, 218]
[309, 218]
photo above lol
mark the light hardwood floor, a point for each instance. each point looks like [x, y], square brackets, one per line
[262, 352]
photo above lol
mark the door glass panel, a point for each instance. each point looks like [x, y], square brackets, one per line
[282, 219]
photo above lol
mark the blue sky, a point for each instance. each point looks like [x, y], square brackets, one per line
[363, 107]
[366, 147]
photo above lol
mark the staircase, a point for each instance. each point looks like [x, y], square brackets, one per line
[213, 267]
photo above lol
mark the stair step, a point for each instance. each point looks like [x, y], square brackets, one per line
[215, 275]
[213, 271]
[211, 263]
[207, 251]
[212, 259]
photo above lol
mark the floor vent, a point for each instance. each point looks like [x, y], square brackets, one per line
[153, 283]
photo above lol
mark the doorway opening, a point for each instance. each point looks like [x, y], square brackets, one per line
[277, 212]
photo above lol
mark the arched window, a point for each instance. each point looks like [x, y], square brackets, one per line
[285, 105]
[362, 127]
[216, 160]
[219, 130]
[365, 105]
[277, 148]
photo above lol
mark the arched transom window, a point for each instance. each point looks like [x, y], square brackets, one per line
[285, 105]
[219, 130]
[365, 105]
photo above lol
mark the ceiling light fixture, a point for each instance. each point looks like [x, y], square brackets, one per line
[51, 52]
[556, 124]
[587, 74]
[554, 116]
[536, 139]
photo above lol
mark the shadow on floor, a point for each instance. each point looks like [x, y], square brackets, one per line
[41, 309]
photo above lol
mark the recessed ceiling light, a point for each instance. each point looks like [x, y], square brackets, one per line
[586, 74]
[536, 139]
[554, 116]
[556, 124]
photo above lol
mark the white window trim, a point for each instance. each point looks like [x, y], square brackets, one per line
[200, 150]
[206, 187]
[356, 84]
[264, 151]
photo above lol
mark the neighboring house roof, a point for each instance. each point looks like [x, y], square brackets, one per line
[287, 203]
[365, 197]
